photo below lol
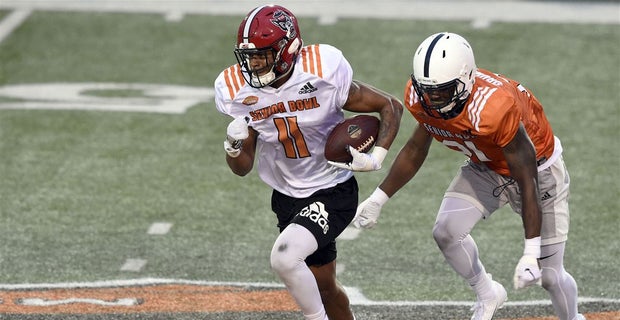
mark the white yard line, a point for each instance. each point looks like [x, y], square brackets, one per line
[12, 21]
[478, 12]
[355, 295]
[349, 233]
[41, 302]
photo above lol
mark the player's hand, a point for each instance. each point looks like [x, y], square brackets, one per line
[527, 272]
[363, 161]
[369, 210]
[236, 132]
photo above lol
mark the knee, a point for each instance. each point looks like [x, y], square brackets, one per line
[443, 235]
[282, 261]
[550, 278]
[279, 261]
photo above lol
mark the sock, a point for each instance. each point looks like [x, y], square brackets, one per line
[482, 284]
[321, 315]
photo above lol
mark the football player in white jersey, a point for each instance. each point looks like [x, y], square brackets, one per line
[284, 99]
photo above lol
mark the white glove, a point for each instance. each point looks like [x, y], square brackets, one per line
[236, 132]
[369, 210]
[527, 271]
[363, 161]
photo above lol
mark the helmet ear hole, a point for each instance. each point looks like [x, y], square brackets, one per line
[295, 44]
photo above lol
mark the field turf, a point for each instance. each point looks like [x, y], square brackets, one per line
[80, 187]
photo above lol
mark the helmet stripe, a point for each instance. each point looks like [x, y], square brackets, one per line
[427, 59]
[248, 23]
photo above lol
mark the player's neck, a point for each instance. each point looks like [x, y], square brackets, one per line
[279, 82]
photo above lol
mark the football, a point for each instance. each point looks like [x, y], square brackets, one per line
[359, 132]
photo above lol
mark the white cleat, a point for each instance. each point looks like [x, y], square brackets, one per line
[580, 317]
[484, 310]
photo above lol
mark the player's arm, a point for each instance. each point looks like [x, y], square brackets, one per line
[364, 98]
[242, 163]
[407, 163]
[521, 157]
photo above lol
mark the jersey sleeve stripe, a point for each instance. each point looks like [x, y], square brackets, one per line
[318, 61]
[476, 109]
[311, 60]
[308, 55]
[479, 101]
[234, 80]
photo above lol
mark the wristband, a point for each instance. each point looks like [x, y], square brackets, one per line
[379, 196]
[379, 153]
[532, 247]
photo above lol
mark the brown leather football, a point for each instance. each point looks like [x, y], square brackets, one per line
[358, 131]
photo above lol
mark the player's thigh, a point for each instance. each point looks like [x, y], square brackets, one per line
[325, 214]
[554, 184]
[328, 212]
[455, 220]
[480, 186]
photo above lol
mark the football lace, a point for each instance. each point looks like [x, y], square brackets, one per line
[367, 144]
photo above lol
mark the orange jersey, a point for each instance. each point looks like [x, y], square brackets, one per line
[489, 121]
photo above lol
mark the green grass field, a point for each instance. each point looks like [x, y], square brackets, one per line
[79, 189]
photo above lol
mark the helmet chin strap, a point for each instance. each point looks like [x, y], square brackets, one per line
[453, 110]
[266, 79]
[447, 108]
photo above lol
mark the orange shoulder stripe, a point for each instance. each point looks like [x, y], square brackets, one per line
[234, 79]
[311, 60]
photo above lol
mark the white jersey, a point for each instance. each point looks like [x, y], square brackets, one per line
[293, 121]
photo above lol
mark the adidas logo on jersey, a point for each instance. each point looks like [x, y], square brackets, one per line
[317, 214]
[307, 88]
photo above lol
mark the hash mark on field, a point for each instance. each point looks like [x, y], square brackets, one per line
[339, 268]
[133, 265]
[159, 228]
[349, 233]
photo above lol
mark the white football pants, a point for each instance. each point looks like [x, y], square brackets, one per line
[456, 219]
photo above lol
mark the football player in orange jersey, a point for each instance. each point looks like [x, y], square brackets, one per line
[285, 99]
[513, 158]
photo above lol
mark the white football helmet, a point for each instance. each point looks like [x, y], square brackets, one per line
[444, 70]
